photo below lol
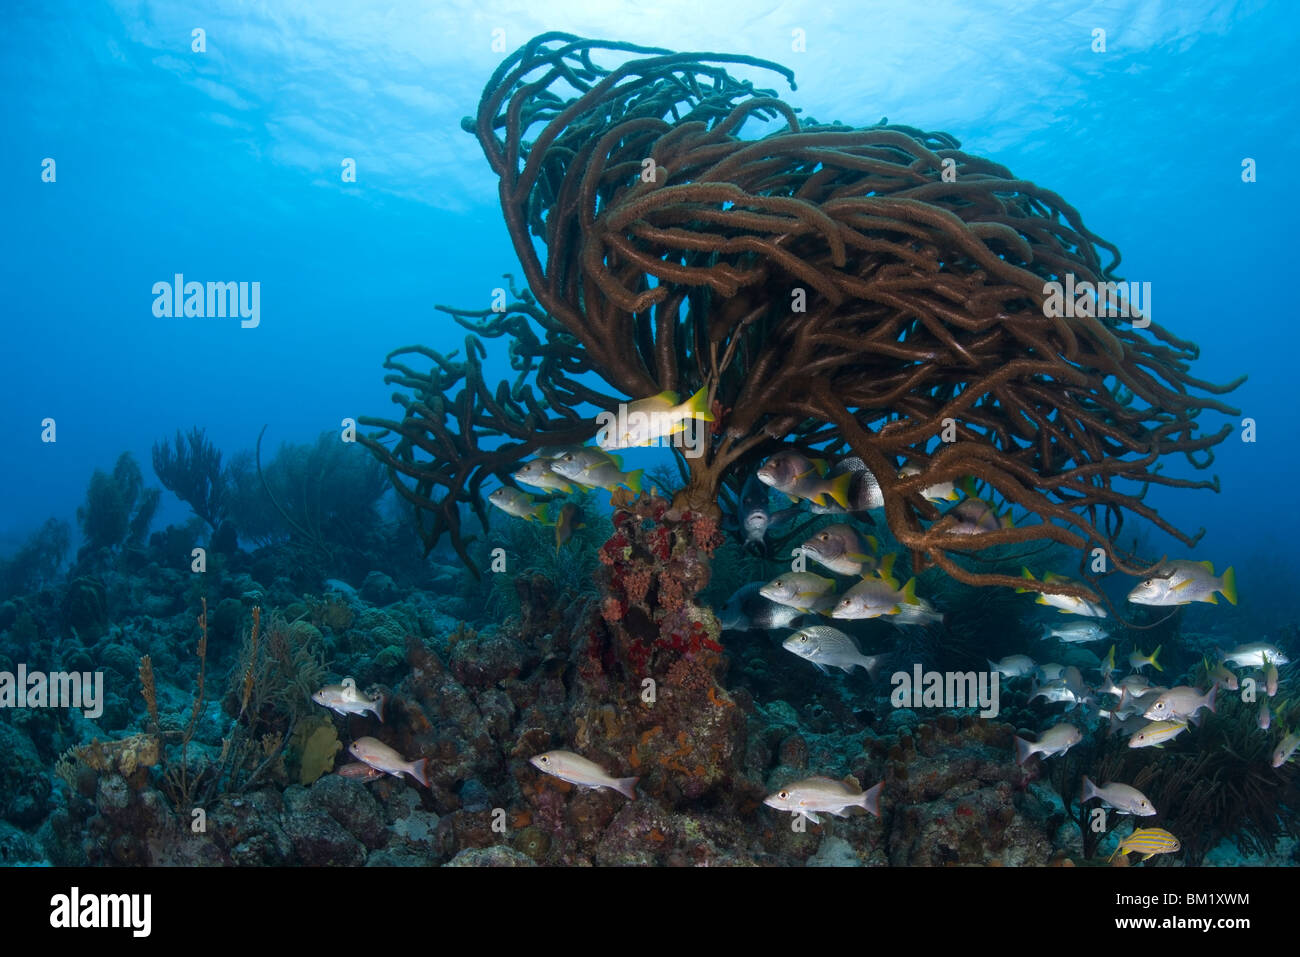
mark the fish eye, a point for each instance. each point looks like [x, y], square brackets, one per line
[544, 759]
[783, 795]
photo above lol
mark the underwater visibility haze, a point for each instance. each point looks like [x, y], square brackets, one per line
[486, 436]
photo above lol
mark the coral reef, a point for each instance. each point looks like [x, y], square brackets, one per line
[828, 286]
[191, 470]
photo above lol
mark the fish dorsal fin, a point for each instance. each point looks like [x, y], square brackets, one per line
[1208, 566]
[909, 592]
[672, 398]
[886, 570]
[821, 465]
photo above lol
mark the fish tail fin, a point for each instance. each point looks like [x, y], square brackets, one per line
[839, 489]
[871, 664]
[420, 771]
[1154, 656]
[697, 406]
[1228, 585]
[871, 799]
[538, 513]
[1024, 750]
[626, 787]
[1088, 791]
[967, 485]
[633, 480]
[1209, 701]
[1028, 576]
[379, 708]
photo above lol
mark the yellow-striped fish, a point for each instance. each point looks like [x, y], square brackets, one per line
[519, 504]
[1148, 841]
[1066, 604]
[646, 420]
[1157, 733]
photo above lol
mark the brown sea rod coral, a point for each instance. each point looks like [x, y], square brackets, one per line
[831, 287]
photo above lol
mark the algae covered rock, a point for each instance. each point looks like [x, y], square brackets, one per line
[498, 856]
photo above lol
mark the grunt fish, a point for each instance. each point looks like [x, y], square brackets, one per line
[1065, 603]
[519, 504]
[539, 474]
[748, 610]
[1122, 797]
[1158, 733]
[802, 590]
[1252, 655]
[1014, 666]
[938, 492]
[1148, 841]
[800, 477]
[1137, 660]
[1180, 701]
[1182, 582]
[1055, 740]
[1072, 632]
[841, 549]
[1285, 748]
[828, 648]
[645, 421]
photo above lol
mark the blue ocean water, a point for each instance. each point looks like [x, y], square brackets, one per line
[227, 163]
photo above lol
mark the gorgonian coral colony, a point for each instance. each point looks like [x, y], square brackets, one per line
[830, 287]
